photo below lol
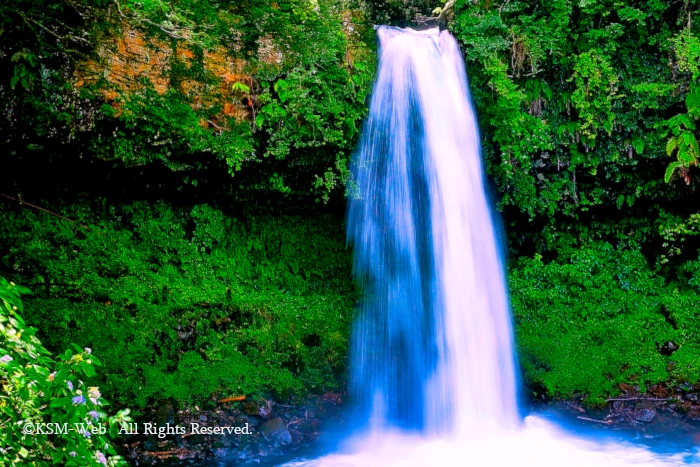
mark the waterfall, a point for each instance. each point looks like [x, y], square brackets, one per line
[426, 255]
[432, 359]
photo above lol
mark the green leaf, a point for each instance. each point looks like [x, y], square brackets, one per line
[281, 87]
[671, 146]
[240, 87]
[62, 402]
[685, 155]
[638, 145]
[694, 147]
[670, 169]
[692, 100]
[620, 201]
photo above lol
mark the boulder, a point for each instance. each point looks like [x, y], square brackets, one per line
[258, 408]
[668, 348]
[333, 397]
[660, 390]
[323, 409]
[644, 413]
[165, 414]
[693, 413]
[308, 426]
[275, 431]
[618, 407]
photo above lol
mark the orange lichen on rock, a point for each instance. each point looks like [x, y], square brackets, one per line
[230, 71]
[132, 59]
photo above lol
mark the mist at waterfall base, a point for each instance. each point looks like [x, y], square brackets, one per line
[432, 361]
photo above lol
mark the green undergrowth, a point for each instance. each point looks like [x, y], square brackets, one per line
[187, 304]
[192, 304]
[600, 316]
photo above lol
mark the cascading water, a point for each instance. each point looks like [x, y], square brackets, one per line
[425, 250]
[433, 366]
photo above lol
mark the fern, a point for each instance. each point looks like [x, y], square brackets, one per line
[671, 169]
[671, 146]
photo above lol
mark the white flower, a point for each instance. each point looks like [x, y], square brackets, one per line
[94, 394]
[101, 458]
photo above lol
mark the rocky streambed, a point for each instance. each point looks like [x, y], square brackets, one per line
[261, 430]
[270, 431]
[659, 413]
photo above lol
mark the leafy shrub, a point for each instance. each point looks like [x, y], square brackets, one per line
[599, 317]
[36, 389]
[189, 303]
[581, 105]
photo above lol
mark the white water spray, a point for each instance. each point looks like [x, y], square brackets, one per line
[432, 358]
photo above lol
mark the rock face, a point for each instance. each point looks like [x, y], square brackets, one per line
[618, 407]
[633, 406]
[673, 418]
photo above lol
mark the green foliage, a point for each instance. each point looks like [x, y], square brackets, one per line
[683, 141]
[594, 81]
[315, 107]
[577, 101]
[686, 48]
[35, 390]
[675, 232]
[165, 128]
[189, 304]
[401, 12]
[598, 317]
[581, 104]
[298, 106]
